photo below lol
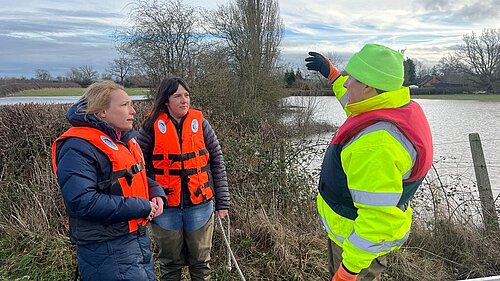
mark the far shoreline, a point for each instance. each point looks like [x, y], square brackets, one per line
[144, 91]
[69, 92]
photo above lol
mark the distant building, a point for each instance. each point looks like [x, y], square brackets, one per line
[428, 81]
[433, 81]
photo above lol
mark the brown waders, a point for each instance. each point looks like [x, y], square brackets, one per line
[179, 248]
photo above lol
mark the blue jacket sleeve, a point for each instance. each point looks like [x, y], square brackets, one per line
[155, 190]
[80, 166]
[145, 141]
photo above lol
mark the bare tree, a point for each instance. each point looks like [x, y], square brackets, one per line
[74, 75]
[337, 60]
[480, 58]
[451, 69]
[421, 69]
[42, 74]
[163, 38]
[120, 68]
[252, 31]
[84, 75]
[88, 75]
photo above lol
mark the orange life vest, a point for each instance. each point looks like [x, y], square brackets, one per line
[187, 161]
[127, 165]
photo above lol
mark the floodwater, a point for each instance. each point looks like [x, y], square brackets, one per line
[50, 99]
[451, 123]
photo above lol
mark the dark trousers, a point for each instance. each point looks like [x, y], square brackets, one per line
[127, 257]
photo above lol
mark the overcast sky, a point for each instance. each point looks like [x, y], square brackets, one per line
[60, 34]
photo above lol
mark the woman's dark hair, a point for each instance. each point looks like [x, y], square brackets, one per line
[168, 86]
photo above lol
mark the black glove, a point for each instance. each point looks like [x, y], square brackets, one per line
[322, 64]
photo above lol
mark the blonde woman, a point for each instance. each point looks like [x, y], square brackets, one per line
[109, 200]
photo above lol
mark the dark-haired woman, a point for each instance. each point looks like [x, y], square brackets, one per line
[183, 155]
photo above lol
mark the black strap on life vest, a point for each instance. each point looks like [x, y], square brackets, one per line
[186, 156]
[187, 172]
[128, 173]
[178, 157]
[106, 186]
[156, 157]
[198, 191]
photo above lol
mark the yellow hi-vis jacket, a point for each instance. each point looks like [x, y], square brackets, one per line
[371, 169]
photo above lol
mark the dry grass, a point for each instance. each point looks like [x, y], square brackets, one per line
[275, 231]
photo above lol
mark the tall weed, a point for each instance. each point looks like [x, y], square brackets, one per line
[275, 232]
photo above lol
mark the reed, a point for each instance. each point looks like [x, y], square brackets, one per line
[275, 231]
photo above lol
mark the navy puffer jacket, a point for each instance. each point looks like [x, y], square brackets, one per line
[95, 217]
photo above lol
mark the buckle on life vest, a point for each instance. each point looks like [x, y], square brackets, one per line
[198, 191]
[128, 174]
[168, 191]
[136, 168]
[181, 157]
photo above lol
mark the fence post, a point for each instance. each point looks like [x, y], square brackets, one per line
[483, 184]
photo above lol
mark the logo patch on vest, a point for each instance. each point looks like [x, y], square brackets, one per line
[194, 126]
[162, 126]
[109, 142]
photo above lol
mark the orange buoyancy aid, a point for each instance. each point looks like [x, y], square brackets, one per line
[409, 119]
[127, 166]
[186, 161]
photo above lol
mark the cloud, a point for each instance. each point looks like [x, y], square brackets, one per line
[60, 34]
[460, 11]
[481, 11]
[56, 40]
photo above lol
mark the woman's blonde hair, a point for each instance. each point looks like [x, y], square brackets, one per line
[98, 95]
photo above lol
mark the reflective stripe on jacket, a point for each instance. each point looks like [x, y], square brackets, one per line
[182, 161]
[128, 176]
[372, 168]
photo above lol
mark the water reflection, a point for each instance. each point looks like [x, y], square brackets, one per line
[451, 123]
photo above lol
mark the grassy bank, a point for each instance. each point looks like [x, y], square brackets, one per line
[144, 91]
[71, 92]
[275, 232]
[446, 96]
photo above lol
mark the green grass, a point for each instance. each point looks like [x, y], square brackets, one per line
[71, 92]
[143, 91]
[483, 97]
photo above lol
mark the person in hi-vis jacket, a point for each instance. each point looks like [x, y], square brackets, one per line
[374, 164]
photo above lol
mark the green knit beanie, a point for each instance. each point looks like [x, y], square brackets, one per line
[378, 67]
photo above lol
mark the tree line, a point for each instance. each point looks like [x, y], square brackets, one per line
[240, 41]
[474, 64]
